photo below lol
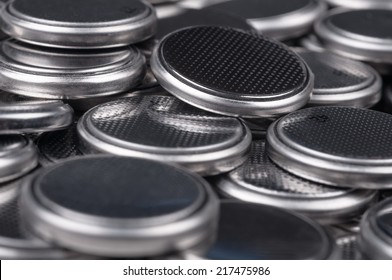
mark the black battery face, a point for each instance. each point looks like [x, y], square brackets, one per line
[195, 129]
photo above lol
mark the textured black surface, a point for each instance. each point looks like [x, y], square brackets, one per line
[11, 142]
[341, 131]
[58, 145]
[10, 225]
[261, 173]
[119, 187]
[192, 17]
[75, 11]
[256, 232]
[233, 63]
[254, 9]
[371, 23]
[163, 121]
[334, 74]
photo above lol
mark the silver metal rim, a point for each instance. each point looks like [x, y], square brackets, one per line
[120, 241]
[326, 210]
[311, 43]
[335, 40]
[364, 98]
[18, 162]
[357, 4]
[290, 25]
[372, 241]
[40, 84]
[226, 106]
[48, 33]
[11, 248]
[204, 163]
[41, 117]
[339, 172]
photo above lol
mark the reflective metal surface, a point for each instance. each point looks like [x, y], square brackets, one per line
[340, 146]
[154, 209]
[166, 129]
[68, 74]
[233, 79]
[79, 24]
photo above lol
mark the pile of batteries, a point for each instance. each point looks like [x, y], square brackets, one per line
[195, 129]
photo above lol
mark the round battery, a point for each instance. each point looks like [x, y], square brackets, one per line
[375, 238]
[232, 72]
[359, 34]
[260, 181]
[18, 156]
[341, 146]
[361, 4]
[68, 74]
[194, 17]
[59, 145]
[19, 114]
[79, 24]
[257, 232]
[166, 129]
[279, 19]
[15, 241]
[120, 207]
[342, 81]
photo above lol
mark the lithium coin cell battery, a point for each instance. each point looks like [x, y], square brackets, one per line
[232, 72]
[358, 34]
[120, 207]
[18, 156]
[361, 4]
[68, 74]
[260, 181]
[15, 241]
[375, 238]
[279, 19]
[341, 81]
[340, 146]
[249, 231]
[79, 24]
[166, 129]
[58, 145]
[19, 114]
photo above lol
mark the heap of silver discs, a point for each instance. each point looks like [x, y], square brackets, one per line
[194, 129]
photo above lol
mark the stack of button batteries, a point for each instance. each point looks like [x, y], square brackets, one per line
[194, 129]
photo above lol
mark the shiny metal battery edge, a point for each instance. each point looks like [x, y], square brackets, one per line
[191, 93]
[16, 243]
[373, 242]
[327, 205]
[328, 169]
[121, 241]
[52, 83]
[349, 44]
[205, 160]
[79, 35]
[19, 160]
[43, 115]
